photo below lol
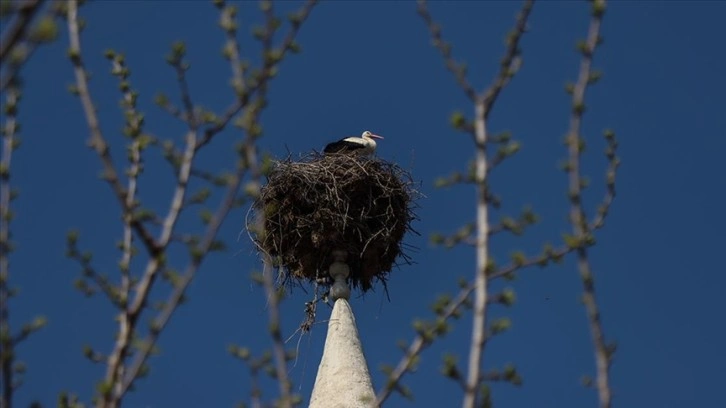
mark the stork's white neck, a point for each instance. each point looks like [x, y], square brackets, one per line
[369, 142]
[369, 146]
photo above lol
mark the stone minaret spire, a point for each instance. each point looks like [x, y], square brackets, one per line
[343, 380]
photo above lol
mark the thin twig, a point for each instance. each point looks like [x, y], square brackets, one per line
[244, 97]
[419, 343]
[611, 173]
[232, 48]
[24, 42]
[89, 271]
[512, 60]
[189, 117]
[274, 324]
[273, 297]
[456, 68]
[16, 32]
[12, 70]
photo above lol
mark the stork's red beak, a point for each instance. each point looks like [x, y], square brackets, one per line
[376, 136]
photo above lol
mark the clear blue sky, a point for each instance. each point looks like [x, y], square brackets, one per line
[659, 269]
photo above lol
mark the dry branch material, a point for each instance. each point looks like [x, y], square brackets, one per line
[362, 205]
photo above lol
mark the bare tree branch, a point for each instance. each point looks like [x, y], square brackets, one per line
[275, 326]
[248, 163]
[484, 103]
[580, 227]
[9, 376]
[483, 106]
[7, 354]
[97, 141]
[478, 336]
[128, 318]
[478, 128]
[113, 391]
[423, 340]
[162, 319]
[19, 41]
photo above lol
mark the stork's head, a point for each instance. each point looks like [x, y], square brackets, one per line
[368, 135]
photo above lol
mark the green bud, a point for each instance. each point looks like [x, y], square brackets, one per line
[45, 31]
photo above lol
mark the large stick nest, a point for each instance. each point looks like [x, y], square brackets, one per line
[323, 203]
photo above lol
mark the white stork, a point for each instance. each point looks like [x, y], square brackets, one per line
[363, 145]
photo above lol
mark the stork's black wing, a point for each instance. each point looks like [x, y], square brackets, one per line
[341, 146]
